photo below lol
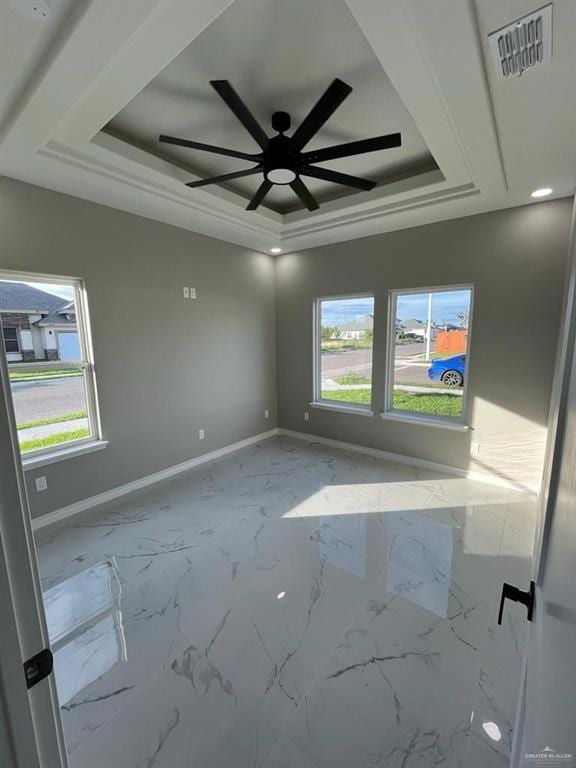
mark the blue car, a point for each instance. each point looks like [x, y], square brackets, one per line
[449, 371]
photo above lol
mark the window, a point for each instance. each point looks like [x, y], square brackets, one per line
[428, 347]
[343, 350]
[52, 376]
[11, 340]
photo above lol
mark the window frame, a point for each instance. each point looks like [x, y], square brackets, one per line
[317, 399]
[16, 339]
[86, 364]
[389, 412]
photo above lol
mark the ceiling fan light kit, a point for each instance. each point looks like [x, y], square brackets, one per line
[282, 160]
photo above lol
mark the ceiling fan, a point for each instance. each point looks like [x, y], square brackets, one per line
[282, 160]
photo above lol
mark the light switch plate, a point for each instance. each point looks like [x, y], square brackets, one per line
[192, 293]
[186, 291]
[41, 483]
[266, 414]
[201, 434]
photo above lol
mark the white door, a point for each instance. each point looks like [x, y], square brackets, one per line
[29, 720]
[546, 721]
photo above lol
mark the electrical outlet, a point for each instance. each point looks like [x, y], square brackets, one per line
[201, 434]
[266, 414]
[186, 291]
[474, 448]
[306, 416]
[41, 483]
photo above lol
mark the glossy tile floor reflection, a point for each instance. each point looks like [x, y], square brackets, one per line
[291, 605]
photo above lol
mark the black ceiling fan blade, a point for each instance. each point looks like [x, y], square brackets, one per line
[225, 177]
[235, 103]
[207, 148]
[353, 148]
[338, 178]
[304, 194]
[327, 104]
[261, 193]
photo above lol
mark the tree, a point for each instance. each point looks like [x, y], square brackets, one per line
[328, 332]
[368, 334]
[464, 318]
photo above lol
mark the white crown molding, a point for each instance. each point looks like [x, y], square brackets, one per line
[54, 139]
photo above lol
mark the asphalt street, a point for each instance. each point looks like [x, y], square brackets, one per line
[407, 370]
[40, 399]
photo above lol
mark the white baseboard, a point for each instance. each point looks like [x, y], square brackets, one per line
[142, 482]
[399, 458]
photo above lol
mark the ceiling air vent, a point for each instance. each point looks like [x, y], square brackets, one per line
[523, 44]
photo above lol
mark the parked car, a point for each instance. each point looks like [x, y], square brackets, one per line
[449, 371]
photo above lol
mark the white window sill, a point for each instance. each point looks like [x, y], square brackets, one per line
[51, 457]
[357, 410]
[426, 421]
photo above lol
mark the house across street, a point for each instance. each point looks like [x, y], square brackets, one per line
[37, 325]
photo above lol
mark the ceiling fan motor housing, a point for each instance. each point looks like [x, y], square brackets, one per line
[281, 163]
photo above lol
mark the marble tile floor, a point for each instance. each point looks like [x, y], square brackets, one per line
[290, 606]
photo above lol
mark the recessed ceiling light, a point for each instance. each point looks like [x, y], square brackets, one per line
[541, 192]
[280, 595]
[275, 250]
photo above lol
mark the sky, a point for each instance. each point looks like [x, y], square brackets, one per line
[344, 310]
[445, 307]
[64, 291]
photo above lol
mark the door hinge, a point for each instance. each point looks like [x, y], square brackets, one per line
[518, 596]
[38, 667]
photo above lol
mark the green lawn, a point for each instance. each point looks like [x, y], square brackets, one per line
[352, 378]
[344, 345]
[56, 439]
[358, 396]
[433, 404]
[430, 383]
[52, 420]
[51, 374]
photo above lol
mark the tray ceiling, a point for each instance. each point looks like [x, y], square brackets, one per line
[278, 56]
[87, 90]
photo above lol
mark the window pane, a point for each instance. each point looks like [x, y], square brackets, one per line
[346, 331]
[10, 339]
[430, 352]
[50, 407]
[40, 326]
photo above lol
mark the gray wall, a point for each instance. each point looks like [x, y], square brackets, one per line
[165, 366]
[516, 259]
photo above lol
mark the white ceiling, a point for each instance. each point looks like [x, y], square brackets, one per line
[284, 71]
[25, 37]
[421, 67]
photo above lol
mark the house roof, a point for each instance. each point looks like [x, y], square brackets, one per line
[19, 297]
[58, 318]
[363, 323]
[412, 323]
[66, 315]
